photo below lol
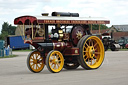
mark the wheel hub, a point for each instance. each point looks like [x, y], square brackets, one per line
[35, 61]
[78, 35]
[90, 51]
[55, 61]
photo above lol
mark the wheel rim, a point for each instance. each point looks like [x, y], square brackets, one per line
[56, 61]
[36, 62]
[93, 52]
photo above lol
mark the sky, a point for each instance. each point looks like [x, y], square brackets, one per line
[115, 10]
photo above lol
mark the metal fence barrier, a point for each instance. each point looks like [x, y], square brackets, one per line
[1, 53]
[5, 52]
[10, 51]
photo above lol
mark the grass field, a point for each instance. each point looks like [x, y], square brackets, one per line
[119, 50]
[27, 50]
[123, 49]
[10, 56]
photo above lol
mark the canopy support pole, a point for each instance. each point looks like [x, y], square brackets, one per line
[23, 32]
[99, 28]
[46, 32]
[91, 28]
[20, 31]
[32, 30]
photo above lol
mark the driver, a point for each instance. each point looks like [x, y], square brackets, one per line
[86, 27]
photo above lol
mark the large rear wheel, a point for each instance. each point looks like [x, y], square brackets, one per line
[91, 52]
[35, 62]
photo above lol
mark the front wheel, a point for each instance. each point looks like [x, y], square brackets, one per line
[35, 62]
[54, 61]
[91, 52]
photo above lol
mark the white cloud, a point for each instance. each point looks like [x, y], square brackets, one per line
[115, 10]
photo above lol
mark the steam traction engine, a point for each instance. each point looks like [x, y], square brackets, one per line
[62, 40]
[109, 42]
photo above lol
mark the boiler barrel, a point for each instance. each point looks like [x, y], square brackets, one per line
[46, 45]
[53, 46]
[67, 14]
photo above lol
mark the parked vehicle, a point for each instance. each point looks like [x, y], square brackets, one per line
[16, 42]
[62, 49]
[109, 42]
[122, 42]
[126, 46]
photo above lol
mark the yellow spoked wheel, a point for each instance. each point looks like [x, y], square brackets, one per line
[91, 52]
[35, 62]
[54, 61]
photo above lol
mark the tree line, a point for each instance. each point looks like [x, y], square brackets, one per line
[96, 27]
[7, 29]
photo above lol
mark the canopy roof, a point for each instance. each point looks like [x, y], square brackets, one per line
[59, 20]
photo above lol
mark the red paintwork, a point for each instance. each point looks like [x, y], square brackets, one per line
[66, 48]
[23, 20]
[74, 32]
[126, 46]
[28, 41]
[61, 45]
[27, 20]
[71, 51]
